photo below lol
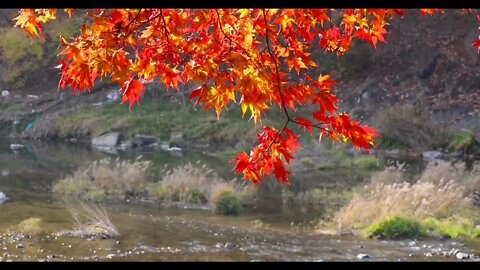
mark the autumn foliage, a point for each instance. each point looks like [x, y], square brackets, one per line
[257, 58]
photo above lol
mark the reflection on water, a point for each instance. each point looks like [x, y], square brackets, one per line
[152, 232]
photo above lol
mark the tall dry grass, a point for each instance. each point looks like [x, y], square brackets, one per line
[186, 184]
[106, 179]
[196, 184]
[443, 190]
[91, 221]
[115, 179]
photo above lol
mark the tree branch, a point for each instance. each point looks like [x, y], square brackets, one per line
[276, 66]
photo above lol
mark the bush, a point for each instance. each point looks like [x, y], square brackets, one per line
[225, 200]
[395, 228]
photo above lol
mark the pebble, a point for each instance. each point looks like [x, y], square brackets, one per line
[363, 256]
[230, 245]
[109, 256]
[462, 255]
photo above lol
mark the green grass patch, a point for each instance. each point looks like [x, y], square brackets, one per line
[406, 228]
[453, 227]
[395, 228]
[30, 225]
[367, 162]
[160, 118]
[460, 141]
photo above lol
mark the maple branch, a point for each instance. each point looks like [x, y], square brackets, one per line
[142, 23]
[238, 44]
[276, 137]
[276, 67]
[165, 28]
[289, 119]
[131, 21]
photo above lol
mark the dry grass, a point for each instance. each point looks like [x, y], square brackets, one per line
[197, 184]
[30, 225]
[106, 179]
[92, 221]
[443, 190]
[186, 184]
[114, 179]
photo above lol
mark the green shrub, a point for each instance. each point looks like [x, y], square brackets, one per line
[395, 228]
[225, 201]
[367, 162]
[452, 227]
[460, 141]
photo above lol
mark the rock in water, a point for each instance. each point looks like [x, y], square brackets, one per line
[362, 256]
[143, 140]
[462, 255]
[3, 197]
[230, 245]
[432, 155]
[15, 146]
[476, 198]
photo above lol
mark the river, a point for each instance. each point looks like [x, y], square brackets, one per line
[151, 232]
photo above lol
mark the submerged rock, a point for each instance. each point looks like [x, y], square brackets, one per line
[107, 149]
